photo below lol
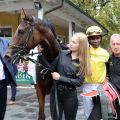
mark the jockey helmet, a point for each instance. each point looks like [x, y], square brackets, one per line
[94, 31]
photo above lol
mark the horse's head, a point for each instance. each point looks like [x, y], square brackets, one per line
[29, 34]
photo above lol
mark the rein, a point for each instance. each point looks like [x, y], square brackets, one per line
[44, 70]
[43, 73]
[26, 58]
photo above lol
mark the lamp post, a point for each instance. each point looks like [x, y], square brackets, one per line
[41, 12]
[37, 5]
[39, 8]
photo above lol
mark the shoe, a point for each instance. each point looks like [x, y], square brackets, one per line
[11, 102]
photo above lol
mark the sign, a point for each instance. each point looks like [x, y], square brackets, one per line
[22, 76]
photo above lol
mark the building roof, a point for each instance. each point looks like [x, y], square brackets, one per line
[69, 11]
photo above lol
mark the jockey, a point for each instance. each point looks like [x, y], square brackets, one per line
[98, 59]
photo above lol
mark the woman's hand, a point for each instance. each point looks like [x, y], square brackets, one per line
[55, 75]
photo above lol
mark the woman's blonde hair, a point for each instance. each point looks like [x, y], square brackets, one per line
[84, 56]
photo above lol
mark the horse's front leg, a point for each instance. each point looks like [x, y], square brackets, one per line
[41, 101]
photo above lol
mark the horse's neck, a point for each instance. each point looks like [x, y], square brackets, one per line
[51, 51]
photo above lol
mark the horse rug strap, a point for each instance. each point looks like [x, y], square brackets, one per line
[106, 109]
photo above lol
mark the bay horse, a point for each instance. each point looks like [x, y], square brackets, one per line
[31, 32]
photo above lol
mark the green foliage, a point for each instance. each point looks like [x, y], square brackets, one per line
[107, 15]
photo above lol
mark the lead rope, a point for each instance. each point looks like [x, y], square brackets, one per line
[56, 97]
[56, 101]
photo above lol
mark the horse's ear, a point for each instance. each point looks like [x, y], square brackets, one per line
[23, 14]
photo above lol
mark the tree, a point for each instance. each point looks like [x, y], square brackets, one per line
[105, 12]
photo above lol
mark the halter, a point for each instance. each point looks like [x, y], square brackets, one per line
[24, 48]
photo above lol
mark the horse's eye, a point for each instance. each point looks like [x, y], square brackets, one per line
[20, 31]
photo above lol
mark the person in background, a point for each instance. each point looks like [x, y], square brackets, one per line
[98, 59]
[13, 94]
[32, 66]
[113, 68]
[7, 75]
[68, 71]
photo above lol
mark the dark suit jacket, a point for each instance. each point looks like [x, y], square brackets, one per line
[9, 69]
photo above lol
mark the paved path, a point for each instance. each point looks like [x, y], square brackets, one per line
[26, 107]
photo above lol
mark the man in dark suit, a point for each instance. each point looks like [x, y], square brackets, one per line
[7, 75]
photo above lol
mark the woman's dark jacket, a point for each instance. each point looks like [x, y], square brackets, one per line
[66, 67]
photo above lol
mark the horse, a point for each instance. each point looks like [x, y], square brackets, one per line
[30, 32]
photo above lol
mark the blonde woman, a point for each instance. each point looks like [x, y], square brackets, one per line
[70, 67]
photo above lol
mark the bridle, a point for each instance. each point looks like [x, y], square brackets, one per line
[23, 49]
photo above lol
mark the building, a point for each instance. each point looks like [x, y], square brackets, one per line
[67, 19]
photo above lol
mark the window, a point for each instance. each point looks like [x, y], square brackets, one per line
[5, 31]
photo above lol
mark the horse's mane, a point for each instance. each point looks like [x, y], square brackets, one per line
[49, 41]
